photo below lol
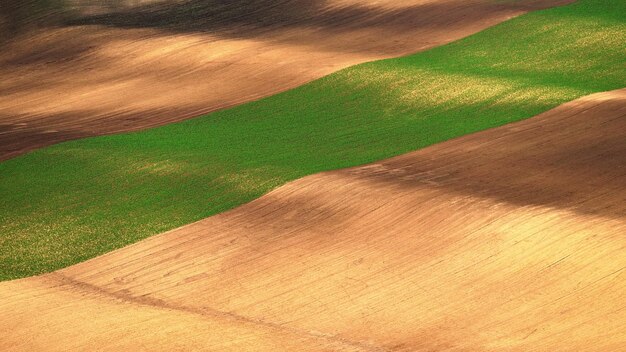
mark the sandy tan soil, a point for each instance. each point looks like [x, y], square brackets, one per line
[511, 239]
[148, 67]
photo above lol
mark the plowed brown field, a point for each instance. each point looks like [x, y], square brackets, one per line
[511, 239]
[150, 65]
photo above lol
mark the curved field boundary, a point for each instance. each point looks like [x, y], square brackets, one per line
[151, 65]
[503, 240]
[73, 201]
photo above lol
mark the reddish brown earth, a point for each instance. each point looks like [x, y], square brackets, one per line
[148, 66]
[511, 239]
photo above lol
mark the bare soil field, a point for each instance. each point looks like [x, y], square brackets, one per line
[511, 239]
[153, 64]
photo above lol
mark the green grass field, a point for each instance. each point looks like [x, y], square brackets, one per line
[76, 200]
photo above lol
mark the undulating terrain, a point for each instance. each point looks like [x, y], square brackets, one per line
[470, 196]
[125, 69]
[504, 240]
[73, 201]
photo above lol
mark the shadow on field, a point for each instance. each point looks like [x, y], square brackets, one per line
[570, 158]
[249, 18]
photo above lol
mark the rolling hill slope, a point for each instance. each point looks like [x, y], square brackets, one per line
[73, 201]
[132, 68]
[510, 239]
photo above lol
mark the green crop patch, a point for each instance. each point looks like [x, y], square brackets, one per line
[76, 200]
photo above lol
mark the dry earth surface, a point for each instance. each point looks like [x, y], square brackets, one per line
[149, 65]
[511, 239]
